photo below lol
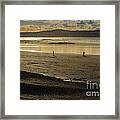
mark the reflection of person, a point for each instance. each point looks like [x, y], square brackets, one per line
[83, 53]
[53, 53]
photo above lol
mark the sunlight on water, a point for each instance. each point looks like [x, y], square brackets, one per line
[90, 45]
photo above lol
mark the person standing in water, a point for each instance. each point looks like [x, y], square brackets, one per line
[83, 53]
[53, 53]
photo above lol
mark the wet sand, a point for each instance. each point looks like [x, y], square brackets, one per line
[39, 87]
[61, 77]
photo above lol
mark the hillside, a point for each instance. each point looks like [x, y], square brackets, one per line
[61, 33]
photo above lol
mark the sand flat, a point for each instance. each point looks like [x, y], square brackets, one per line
[62, 76]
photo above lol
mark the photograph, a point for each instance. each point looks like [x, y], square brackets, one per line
[60, 55]
[59, 59]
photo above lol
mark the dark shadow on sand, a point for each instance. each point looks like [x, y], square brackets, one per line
[37, 86]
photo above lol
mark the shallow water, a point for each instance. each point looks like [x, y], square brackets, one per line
[76, 45]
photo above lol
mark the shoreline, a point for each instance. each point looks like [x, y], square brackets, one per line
[60, 77]
[57, 53]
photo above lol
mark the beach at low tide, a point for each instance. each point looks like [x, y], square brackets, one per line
[55, 69]
[67, 75]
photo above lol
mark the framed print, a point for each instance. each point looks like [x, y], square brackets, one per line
[60, 59]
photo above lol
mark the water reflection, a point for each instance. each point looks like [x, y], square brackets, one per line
[90, 46]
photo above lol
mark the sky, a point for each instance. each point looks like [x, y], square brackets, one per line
[47, 25]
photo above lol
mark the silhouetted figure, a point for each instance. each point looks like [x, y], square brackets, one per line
[83, 53]
[53, 53]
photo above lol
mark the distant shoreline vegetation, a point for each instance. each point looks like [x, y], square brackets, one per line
[62, 33]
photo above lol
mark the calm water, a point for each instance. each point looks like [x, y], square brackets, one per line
[90, 45]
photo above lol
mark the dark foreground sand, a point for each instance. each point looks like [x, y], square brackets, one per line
[59, 77]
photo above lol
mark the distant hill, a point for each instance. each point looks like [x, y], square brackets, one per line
[61, 33]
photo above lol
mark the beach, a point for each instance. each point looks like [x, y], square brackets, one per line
[62, 76]
[60, 59]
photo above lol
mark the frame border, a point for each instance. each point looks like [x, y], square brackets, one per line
[55, 2]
